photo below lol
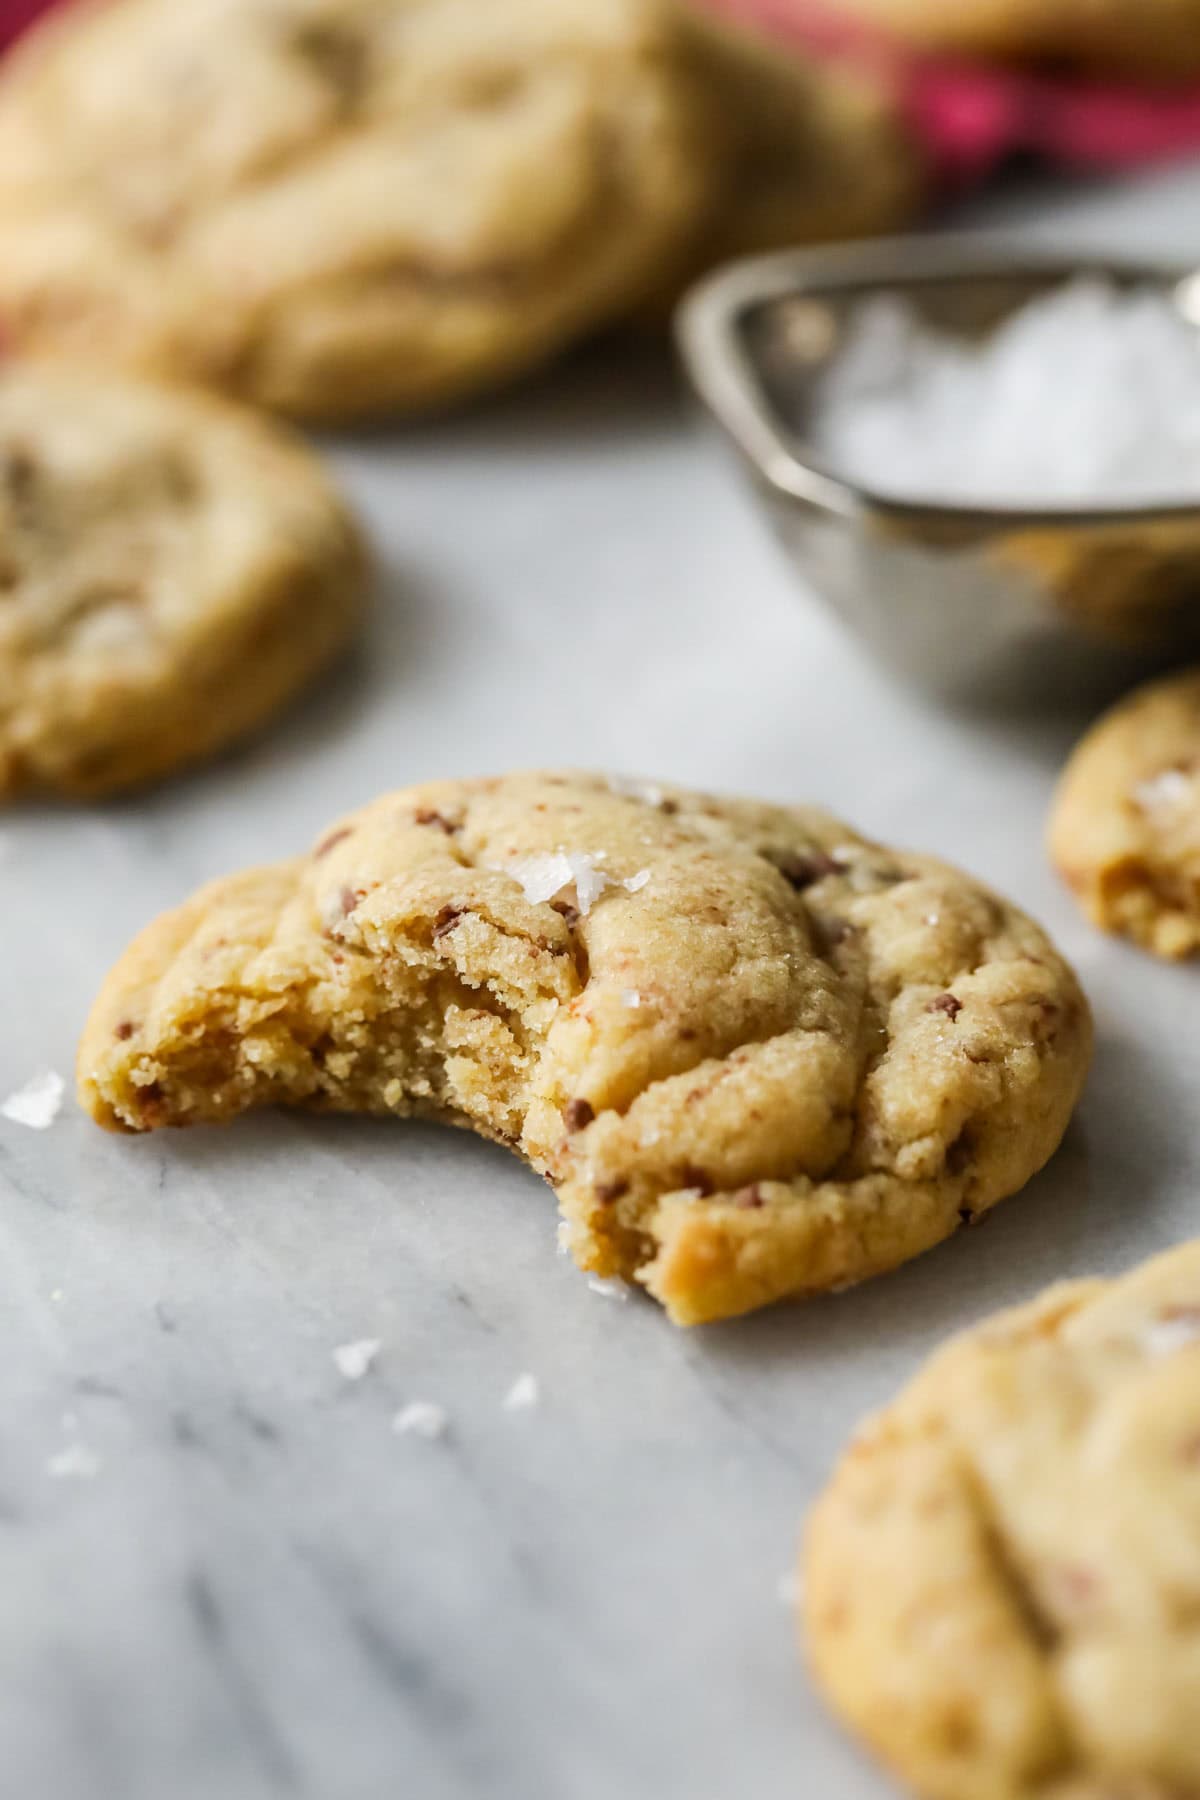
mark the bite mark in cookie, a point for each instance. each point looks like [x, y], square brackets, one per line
[782, 1112]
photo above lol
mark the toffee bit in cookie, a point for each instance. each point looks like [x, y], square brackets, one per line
[425, 815]
[696, 1181]
[124, 1030]
[804, 871]
[608, 1192]
[350, 898]
[949, 1004]
[446, 920]
[331, 842]
[577, 1114]
[567, 913]
[749, 1199]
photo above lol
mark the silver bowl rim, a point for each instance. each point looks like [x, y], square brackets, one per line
[723, 373]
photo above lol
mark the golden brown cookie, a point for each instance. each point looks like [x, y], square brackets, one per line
[1125, 828]
[340, 207]
[1002, 1582]
[1155, 38]
[172, 571]
[756, 1055]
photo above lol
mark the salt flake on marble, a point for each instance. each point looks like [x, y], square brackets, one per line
[37, 1104]
[1172, 1332]
[637, 882]
[612, 1290]
[75, 1462]
[421, 1418]
[1163, 792]
[523, 1395]
[353, 1360]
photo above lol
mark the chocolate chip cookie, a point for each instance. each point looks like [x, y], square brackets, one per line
[1002, 1582]
[172, 571]
[755, 1054]
[1125, 828]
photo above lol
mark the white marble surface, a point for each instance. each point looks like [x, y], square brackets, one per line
[262, 1590]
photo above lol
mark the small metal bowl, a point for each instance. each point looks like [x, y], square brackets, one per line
[1005, 603]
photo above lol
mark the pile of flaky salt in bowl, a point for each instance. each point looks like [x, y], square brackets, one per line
[1087, 396]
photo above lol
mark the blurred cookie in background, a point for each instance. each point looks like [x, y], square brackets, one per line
[1158, 39]
[341, 207]
[803, 151]
[1125, 829]
[172, 571]
[337, 208]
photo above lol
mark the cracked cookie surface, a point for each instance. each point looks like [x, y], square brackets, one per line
[339, 207]
[172, 570]
[1125, 827]
[1002, 1582]
[756, 1055]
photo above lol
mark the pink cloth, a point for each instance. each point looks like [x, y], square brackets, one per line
[972, 116]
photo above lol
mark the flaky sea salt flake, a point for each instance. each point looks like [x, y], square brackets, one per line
[74, 1462]
[37, 1104]
[353, 1360]
[637, 882]
[630, 997]
[421, 1418]
[611, 1290]
[1175, 1330]
[1164, 792]
[523, 1394]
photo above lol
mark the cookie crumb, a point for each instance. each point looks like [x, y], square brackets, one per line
[523, 1394]
[38, 1103]
[421, 1418]
[611, 1290]
[353, 1360]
